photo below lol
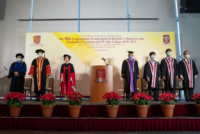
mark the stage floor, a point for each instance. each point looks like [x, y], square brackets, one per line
[87, 102]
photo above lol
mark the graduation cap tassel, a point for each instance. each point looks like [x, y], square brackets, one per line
[44, 56]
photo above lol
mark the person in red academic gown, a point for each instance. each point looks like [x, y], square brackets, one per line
[188, 73]
[169, 72]
[152, 75]
[40, 70]
[67, 77]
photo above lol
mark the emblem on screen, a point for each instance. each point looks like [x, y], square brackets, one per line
[36, 41]
[101, 75]
[166, 40]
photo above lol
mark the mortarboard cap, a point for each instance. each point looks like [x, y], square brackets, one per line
[40, 50]
[67, 56]
[19, 54]
[130, 52]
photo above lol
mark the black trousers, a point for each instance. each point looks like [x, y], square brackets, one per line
[188, 93]
[38, 94]
[156, 93]
[128, 96]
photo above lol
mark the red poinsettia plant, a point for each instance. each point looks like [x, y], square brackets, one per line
[14, 99]
[141, 99]
[75, 98]
[196, 97]
[167, 98]
[112, 98]
[48, 99]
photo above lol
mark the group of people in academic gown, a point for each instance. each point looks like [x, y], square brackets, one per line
[40, 69]
[169, 70]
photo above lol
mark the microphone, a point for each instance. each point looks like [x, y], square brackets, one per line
[5, 68]
[105, 61]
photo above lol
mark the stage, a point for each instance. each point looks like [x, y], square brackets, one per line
[93, 117]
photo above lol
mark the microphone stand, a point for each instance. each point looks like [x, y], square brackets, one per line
[105, 62]
[4, 69]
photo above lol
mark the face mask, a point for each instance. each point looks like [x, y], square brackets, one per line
[187, 56]
[169, 53]
[153, 56]
[130, 57]
[40, 54]
[19, 59]
[66, 60]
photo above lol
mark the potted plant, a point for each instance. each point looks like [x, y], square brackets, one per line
[15, 101]
[112, 103]
[48, 103]
[196, 97]
[74, 106]
[167, 103]
[142, 102]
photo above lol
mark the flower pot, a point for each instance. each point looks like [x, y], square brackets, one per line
[74, 111]
[198, 108]
[47, 110]
[14, 111]
[112, 111]
[142, 110]
[168, 110]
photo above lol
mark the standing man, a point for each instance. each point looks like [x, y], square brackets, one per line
[188, 73]
[130, 73]
[152, 75]
[40, 70]
[17, 72]
[169, 72]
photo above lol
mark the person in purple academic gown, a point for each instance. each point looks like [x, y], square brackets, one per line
[188, 73]
[152, 75]
[130, 73]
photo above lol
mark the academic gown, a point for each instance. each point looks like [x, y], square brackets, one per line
[17, 82]
[149, 70]
[184, 70]
[170, 80]
[130, 72]
[67, 74]
[40, 69]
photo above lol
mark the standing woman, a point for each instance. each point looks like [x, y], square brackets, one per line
[67, 77]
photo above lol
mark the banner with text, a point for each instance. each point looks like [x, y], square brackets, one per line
[88, 49]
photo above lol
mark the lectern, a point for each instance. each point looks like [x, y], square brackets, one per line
[101, 82]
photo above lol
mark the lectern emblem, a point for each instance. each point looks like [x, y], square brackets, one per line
[101, 75]
[166, 40]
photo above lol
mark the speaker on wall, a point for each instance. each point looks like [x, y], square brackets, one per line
[190, 6]
[2, 9]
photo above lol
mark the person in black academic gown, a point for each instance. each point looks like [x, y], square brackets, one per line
[40, 70]
[152, 75]
[67, 77]
[17, 72]
[188, 73]
[169, 71]
[130, 73]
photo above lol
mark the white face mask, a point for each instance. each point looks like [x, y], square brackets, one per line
[187, 56]
[40, 54]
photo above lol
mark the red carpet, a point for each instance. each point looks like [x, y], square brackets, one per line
[188, 110]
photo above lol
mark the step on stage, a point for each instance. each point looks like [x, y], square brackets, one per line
[93, 117]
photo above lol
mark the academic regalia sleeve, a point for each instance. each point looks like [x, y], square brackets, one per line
[72, 72]
[159, 72]
[123, 69]
[32, 68]
[11, 71]
[137, 69]
[180, 69]
[48, 68]
[22, 72]
[145, 71]
[163, 68]
[195, 71]
[176, 67]
[61, 74]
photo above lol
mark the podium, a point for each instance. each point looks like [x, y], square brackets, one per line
[101, 82]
